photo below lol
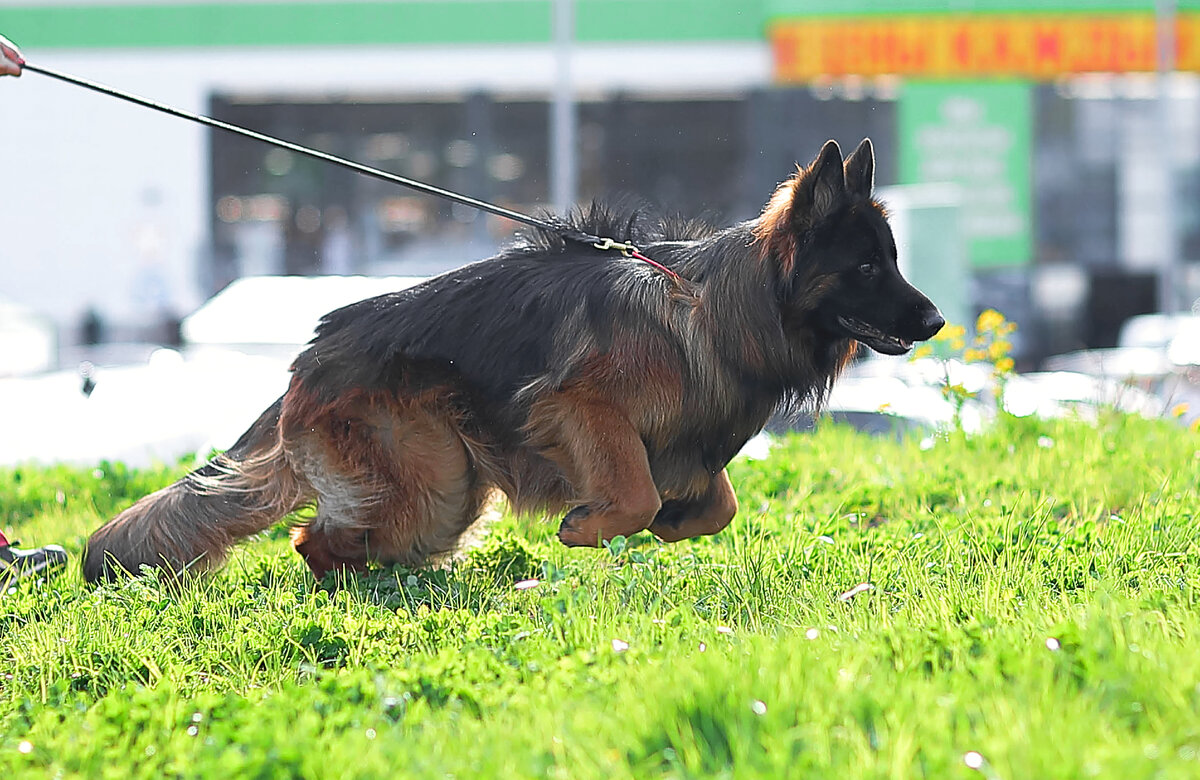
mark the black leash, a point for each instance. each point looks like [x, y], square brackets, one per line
[560, 229]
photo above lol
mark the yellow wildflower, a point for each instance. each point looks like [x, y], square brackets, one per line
[950, 333]
[989, 320]
[974, 355]
[998, 349]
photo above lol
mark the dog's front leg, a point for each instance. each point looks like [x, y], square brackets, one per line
[603, 456]
[683, 518]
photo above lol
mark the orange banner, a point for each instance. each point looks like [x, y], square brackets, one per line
[951, 46]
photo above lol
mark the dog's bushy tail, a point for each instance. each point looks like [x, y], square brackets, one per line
[189, 526]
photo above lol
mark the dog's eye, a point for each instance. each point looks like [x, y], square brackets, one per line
[868, 269]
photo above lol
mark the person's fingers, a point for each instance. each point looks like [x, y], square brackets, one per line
[10, 58]
[11, 51]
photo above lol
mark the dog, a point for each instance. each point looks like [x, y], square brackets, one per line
[572, 380]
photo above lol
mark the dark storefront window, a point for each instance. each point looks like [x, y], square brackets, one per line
[717, 157]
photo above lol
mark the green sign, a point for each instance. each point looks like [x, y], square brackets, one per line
[975, 135]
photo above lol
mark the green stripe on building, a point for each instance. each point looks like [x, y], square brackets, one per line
[98, 26]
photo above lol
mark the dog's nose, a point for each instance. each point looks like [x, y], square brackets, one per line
[932, 322]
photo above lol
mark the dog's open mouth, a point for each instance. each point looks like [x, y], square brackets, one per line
[874, 338]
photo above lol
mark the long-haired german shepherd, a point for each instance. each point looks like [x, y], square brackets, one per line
[569, 378]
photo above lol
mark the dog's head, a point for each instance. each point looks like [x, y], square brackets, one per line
[831, 245]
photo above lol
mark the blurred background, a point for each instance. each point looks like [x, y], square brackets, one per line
[1040, 158]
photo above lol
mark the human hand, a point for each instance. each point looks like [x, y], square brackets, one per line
[11, 60]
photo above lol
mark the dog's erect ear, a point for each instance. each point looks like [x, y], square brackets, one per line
[800, 203]
[820, 186]
[860, 170]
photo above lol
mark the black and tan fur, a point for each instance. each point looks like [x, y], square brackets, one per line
[573, 380]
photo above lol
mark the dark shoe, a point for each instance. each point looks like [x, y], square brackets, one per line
[18, 564]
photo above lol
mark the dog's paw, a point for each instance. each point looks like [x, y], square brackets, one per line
[573, 531]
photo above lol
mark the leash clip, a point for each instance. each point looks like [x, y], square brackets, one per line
[629, 250]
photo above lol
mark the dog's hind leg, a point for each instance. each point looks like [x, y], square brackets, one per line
[395, 485]
[685, 518]
[604, 458]
[435, 492]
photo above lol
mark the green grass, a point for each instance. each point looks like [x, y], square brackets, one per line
[1035, 600]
